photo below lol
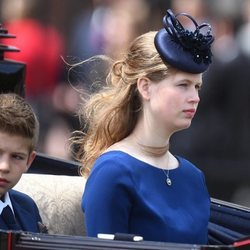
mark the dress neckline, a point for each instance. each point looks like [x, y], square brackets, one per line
[144, 162]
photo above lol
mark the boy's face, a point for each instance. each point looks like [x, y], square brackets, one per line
[15, 159]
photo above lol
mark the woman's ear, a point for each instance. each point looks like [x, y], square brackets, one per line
[143, 86]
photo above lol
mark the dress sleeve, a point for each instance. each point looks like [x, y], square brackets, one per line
[107, 198]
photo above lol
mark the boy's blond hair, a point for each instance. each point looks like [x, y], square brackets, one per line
[18, 118]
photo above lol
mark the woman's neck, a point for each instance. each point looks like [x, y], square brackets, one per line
[150, 136]
[153, 151]
[148, 146]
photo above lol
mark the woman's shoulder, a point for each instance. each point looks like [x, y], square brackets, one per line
[113, 160]
[114, 155]
[112, 167]
[187, 165]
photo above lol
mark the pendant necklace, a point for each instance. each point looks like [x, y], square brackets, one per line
[166, 172]
[168, 180]
[156, 152]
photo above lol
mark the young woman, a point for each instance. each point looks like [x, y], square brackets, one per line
[135, 185]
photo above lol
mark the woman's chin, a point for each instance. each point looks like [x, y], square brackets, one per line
[183, 125]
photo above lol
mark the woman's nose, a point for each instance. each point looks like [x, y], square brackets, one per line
[194, 96]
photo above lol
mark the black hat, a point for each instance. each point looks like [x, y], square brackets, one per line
[189, 51]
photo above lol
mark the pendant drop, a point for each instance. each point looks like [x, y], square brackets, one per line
[168, 181]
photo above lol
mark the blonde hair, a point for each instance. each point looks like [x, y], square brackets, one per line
[18, 118]
[111, 114]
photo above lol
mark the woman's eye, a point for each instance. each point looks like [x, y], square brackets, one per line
[198, 87]
[183, 85]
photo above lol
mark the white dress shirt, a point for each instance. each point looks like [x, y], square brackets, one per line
[7, 202]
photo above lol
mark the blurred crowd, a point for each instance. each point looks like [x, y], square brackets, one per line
[49, 30]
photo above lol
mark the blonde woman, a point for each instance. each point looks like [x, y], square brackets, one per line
[135, 185]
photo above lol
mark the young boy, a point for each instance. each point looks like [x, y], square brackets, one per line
[18, 137]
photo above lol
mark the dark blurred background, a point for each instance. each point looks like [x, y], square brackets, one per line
[47, 30]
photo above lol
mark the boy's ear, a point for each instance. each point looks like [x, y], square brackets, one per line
[31, 159]
[143, 86]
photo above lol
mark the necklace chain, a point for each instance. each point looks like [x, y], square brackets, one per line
[168, 180]
[157, 151]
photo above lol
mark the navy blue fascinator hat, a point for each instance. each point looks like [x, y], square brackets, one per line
[189, 51]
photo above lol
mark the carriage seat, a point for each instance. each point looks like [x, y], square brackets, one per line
[58, 198]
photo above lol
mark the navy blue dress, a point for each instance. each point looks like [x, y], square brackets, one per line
[126, 195]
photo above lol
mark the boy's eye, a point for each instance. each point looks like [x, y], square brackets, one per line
[18, 157]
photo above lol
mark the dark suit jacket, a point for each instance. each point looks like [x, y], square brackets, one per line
[26, 212]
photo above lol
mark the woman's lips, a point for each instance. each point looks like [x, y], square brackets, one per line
[189, 112]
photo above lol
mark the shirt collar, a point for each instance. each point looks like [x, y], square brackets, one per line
[7, 202]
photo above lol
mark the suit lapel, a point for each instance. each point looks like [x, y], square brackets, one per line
[25, 219]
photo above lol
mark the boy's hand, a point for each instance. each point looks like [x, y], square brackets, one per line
[42, 227]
